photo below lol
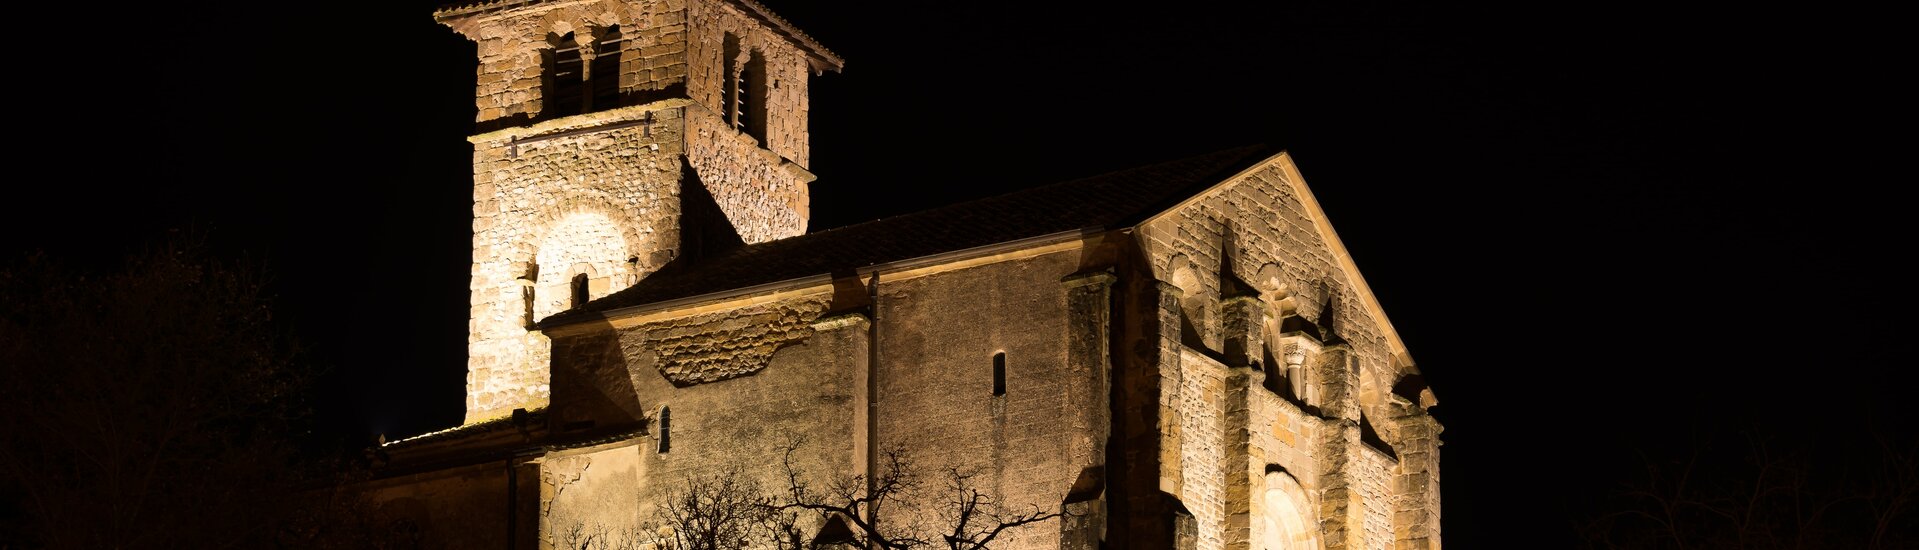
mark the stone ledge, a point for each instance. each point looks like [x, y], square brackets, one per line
[586, 121]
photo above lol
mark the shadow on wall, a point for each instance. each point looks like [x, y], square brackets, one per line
[593, 389]
[705, 231]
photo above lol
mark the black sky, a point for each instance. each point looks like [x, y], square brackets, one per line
[1601, 228]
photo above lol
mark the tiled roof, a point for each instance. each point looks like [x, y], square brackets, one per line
[534, 417]
[1112, 200]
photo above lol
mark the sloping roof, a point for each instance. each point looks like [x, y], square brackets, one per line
[1107, 201]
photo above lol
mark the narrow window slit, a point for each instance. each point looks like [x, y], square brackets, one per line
[666, 429]
[999, 374]
[579, 290]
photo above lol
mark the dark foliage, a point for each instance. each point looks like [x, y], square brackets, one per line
[152, 405]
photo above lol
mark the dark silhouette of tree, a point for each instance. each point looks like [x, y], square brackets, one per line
[718, 512]
[1765, 495]
[152, 405]
[581, 536]
[896, 510]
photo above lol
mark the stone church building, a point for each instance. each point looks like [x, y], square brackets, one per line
[1180, 355]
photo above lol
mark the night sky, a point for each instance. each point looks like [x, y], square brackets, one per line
[1603, 229]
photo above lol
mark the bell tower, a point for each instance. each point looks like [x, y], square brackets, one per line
[605, 129]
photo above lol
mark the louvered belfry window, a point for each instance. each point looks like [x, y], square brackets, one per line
[730, 80]
[604, 75]
[565, 78]
[746, 88]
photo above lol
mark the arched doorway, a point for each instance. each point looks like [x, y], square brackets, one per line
[1287, 522]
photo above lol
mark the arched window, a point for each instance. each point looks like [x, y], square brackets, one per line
[753, 102]
[731, 102]
[604, 74]
[744, 86]
[999, 374]
[565, 77]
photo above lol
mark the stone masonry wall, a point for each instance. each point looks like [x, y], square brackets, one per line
[1281, 436]
[1274, 242]
[786, 73]
[729, 344]
[938, 337]
[1258, 226]
[763, 196]
[585, 494]
[1373, 482]
[1416, 490]
[761, 187]
[580, 243]
[602, 203]
[1203, 452]
[810, 391]
[555, 198]
[509, 90]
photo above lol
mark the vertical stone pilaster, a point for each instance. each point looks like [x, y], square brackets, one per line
[853, 332]
[1416, 487]
[1336, 381]
[1166, 365]
[1243, 320]
[1089, 301]
[1240, 466]
[1144, 466]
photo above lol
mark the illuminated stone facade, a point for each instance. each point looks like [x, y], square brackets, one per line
[559, 195]
[647, 306]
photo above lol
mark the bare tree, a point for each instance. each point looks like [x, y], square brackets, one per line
[723, 511]
[1772, 499]
[581, 536]
[977, 518]
[891, 509]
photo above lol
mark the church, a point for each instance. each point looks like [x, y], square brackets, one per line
[1179, 355]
